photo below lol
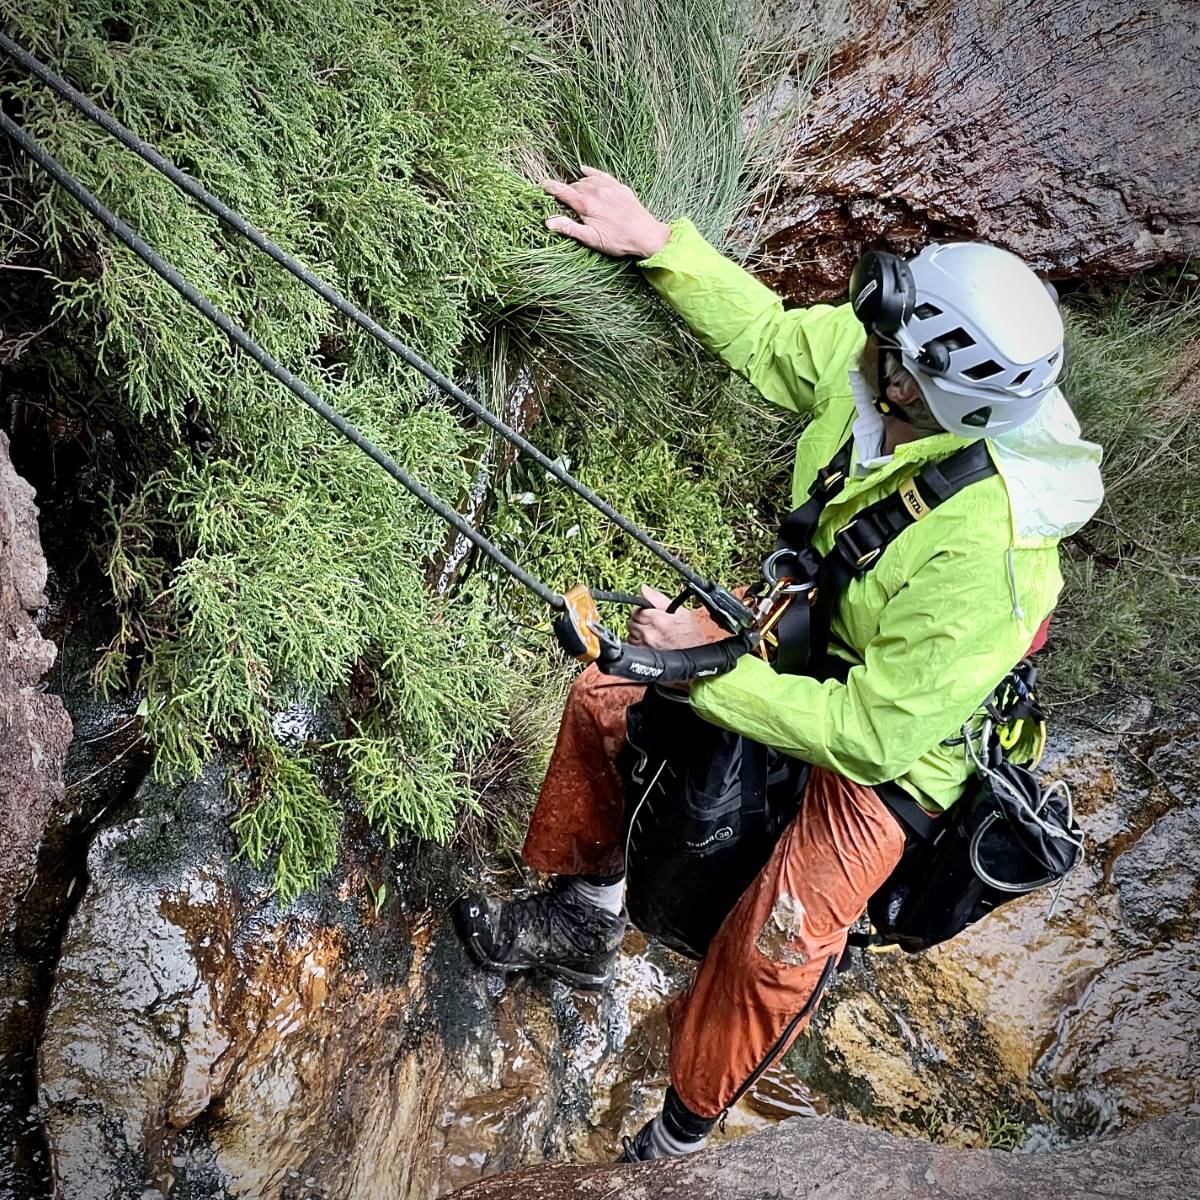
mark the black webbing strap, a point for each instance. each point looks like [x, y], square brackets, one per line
[794, 630]
[908, 812]
[803, 631]
[861, 541]
[799, 526]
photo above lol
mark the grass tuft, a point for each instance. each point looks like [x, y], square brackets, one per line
[1130, 612]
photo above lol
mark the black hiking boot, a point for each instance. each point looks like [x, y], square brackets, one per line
[637, 1148]
[553, 932]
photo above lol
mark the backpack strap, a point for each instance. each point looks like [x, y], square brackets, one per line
[915, 820]
[860, 543]
[796, 532]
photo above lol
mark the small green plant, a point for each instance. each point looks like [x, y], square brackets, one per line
[287, 815]
[1002, 1130]
[379, 894]
[933, 1119]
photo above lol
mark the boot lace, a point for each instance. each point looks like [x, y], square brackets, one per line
[554, 918]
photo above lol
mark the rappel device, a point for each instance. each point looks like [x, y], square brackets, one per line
[578, 626]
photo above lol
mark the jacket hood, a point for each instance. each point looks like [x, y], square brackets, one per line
[1051, 472]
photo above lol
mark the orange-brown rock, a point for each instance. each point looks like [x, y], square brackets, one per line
[1067, 132]
[1048, 1019]
[35, 730]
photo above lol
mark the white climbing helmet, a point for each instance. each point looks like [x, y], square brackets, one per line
[987, 338]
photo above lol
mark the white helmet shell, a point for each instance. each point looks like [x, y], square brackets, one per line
[1002, 331]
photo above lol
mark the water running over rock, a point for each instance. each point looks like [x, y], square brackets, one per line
[1040, 1026]
[201, 1041]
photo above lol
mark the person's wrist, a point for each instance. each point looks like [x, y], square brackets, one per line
[656, 238]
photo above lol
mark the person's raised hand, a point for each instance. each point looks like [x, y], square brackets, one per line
[658, 629]
[611, 217]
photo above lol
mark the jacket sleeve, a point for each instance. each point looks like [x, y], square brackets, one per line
[783, 353]
[944, 641]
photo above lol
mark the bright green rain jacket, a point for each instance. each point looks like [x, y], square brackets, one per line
[950, 606]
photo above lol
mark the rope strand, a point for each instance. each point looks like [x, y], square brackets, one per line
[256, 237]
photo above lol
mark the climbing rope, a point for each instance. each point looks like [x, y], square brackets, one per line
[579, 629]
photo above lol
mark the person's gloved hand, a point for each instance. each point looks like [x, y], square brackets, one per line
[658, 629]
[614, 221]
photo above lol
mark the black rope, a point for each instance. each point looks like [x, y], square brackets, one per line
[241, 338]
[622, 598]
[222, 211]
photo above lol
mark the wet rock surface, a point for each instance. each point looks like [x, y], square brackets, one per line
[34, 735]
[1066, 132]
[1036, 1028]
[202, 1041]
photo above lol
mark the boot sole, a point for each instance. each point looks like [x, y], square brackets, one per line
[584, 981]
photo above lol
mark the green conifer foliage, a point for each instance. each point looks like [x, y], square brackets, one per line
[257, 560]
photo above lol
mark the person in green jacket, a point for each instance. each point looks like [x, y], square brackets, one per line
[961, 342]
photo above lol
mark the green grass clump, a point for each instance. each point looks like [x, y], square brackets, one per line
[255, 558]
[1130, 611]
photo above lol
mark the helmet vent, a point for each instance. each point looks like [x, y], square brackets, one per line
[925, 311]
[1020, 379]
[984, 370]
[956, 339]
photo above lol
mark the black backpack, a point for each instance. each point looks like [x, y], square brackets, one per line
[1004, 837]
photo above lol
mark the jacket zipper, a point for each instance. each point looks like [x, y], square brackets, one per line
[782, 1039]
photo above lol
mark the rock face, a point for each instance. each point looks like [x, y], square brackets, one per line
[1036, 1026]
[34, 728]
[1067, 132]
[202, 1041]
[838, 1161]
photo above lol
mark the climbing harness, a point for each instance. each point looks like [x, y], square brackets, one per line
[578, 626]
[807, 586]
[706, 806]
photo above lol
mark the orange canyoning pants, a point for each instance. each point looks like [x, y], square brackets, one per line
[762, 968]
